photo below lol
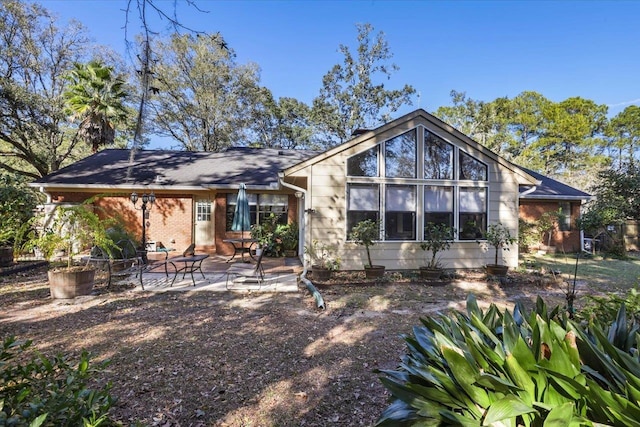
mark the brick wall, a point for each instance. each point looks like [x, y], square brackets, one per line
[568, 241]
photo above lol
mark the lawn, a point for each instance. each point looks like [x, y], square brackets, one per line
[223, 359]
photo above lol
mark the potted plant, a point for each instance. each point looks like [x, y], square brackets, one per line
[500, 238]
[437, 238]
[323, 259]
[288, 235]
[366, 233]
[71, 230]
[6, 247]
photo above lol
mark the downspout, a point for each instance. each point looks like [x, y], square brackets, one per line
[529, 191]
[303, 277]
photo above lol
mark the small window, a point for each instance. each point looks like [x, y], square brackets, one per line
[364, 164]
[472, 169]
[363, 203]
[564, 218]
[473, 213]
[400, 156]
[203, 210]
[438, 157]
[400, 212]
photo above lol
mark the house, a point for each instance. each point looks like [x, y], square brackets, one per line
[410, 171]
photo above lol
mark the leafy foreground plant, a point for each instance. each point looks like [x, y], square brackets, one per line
[37, 391]
[516, 369]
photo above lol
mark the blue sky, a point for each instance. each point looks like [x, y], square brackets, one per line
[486, 48]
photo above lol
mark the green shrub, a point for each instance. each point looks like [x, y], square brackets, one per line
[38, 391]
[605, 308]
[515, 369]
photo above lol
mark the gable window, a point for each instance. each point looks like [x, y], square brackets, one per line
[438, 205]
[364, 164]
[438, 157]
[473, 213]
[400, 156]
[471, 168]
[400, 212]
[261, 206]
[363, 202]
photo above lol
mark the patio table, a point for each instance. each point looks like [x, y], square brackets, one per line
[239, 247]
[189, 265]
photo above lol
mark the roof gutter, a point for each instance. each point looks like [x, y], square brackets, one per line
[529, 191]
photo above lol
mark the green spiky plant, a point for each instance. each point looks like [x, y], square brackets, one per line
[516, 368]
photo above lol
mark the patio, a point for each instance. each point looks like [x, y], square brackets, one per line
[281, 275]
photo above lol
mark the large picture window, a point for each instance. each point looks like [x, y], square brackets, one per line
[400, 156]
[260, 207]
[438, 205]
[452, 188]
[400, 212]
[473, 213]
[438, 157]
[363, 203]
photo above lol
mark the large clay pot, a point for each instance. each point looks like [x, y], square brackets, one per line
[430, 273]
[320, 274]
[65, 283]
[497, 270]
[6, 256]
[373, 271]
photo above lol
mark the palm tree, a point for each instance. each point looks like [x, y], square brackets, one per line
[96, 97]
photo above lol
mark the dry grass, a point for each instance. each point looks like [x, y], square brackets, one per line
[205, 359]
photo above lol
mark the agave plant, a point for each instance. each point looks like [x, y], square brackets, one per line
[507, 368]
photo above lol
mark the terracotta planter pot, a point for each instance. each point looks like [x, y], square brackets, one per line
[6, 256]
[497, 270]
[320, 273]
[430, 273]
[65, 284]
[373, 271]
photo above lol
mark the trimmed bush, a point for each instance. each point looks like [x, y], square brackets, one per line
[38, 391]
[515, 368]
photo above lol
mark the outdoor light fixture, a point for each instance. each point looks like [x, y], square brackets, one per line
[298, 194]
[149, 199]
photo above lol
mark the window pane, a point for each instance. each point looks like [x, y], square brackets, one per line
[438, 205]
[400, 214]
[472, 169]
[438, 158]
[401, 198]
[363, 203]
[473, 213]
[400, 156]
[564, 220]
[438, 199]
[364, 164]
[473, 200]
[364, 197]
[354, 217]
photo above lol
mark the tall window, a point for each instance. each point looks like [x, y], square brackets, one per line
[400, 156]
[438, 157]
[400, 212]
[472, 169]
[564, 221]
[260, 207]
[363, 203]
[438, 205]
[473, 213]
[364, 164]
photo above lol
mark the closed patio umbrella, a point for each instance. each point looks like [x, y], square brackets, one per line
[241, 217]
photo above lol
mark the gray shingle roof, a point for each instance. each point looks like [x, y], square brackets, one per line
[111, 167]
[551, 189]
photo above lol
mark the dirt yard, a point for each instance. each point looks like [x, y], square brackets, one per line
[220, 359]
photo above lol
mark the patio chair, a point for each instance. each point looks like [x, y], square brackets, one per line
[246, 273]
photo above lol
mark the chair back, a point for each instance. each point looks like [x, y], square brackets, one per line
[259, 270]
